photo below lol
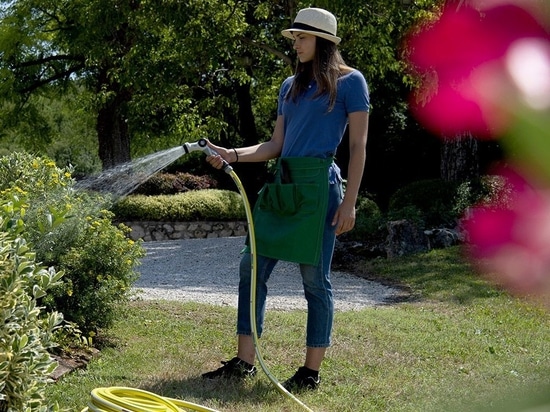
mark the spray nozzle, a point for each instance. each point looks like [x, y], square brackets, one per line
[202, 145]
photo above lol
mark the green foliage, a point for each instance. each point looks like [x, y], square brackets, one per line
[26, 331]
[70, 230]
[59, 126]
[99, 267]
[432, 200]
[388, 21]
[368, 219]
[432, 203]
[169, 184]
[487, 190]
[160, 70]
[410, 213]
[208, 204]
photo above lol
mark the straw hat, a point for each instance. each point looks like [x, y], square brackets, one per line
[318, 22]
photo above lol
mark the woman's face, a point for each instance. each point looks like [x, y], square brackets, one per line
[304, 44]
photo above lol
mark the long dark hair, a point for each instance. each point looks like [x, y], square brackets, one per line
[326, 67]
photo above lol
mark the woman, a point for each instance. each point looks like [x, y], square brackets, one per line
[314, 108]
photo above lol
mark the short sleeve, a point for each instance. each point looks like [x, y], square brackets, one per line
[356, 92]
[282, 94]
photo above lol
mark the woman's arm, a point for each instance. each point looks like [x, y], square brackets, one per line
[344, 219]
[257, 153]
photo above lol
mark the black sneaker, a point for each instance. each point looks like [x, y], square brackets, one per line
[235, 368]
[303, 379]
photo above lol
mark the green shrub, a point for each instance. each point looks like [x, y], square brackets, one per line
[99, 267]
[25, 330]
[368, 219]
[172, 183]
[69, 230]
[486, 190]
[208, 204]
[411, 213]
[431, 201]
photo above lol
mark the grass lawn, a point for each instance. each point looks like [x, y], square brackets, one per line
[459, 344]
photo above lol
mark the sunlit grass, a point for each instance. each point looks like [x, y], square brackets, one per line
[459, 345]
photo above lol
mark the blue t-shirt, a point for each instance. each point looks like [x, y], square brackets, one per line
[310, 130]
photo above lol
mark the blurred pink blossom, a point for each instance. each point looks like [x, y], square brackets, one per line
[464, 58]
[512, 243]
[485, 70]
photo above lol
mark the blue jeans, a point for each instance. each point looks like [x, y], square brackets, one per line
[316, 281]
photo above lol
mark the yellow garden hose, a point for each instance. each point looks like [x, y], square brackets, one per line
[121, 399]
[252, 236]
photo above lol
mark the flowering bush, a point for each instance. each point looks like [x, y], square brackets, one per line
[70, 231]
[486, 70]
[513, 241]
[468, 58]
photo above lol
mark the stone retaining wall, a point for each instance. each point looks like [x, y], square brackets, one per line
[150, 230]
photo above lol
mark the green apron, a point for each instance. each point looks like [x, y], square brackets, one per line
[290, 213]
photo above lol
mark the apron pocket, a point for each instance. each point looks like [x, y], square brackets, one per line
[289, 199]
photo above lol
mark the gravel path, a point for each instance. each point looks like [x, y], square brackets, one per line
[206, 271]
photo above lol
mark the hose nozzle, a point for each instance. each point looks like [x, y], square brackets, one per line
[202, 145]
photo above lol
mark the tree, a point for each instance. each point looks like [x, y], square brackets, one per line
[142, 60]
[165, 72]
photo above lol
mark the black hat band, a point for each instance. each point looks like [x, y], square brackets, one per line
[307, 27]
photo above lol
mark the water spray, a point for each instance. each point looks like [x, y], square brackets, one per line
[123, 399]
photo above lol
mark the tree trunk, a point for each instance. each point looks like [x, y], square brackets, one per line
[460, 154]
[253, 175]
[460, 158]
[112, 128]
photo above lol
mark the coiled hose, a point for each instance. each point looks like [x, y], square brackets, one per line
[121, 399]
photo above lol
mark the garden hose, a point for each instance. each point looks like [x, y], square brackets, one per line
[121, 399]
[252, 236]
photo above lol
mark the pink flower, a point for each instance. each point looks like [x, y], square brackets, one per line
[463, 55]
[512, 244]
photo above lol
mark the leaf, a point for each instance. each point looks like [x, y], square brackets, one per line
[23, 341]
[38, 292]
[49, 219]
[25, 267]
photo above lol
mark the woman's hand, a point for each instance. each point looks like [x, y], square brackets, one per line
[223, 154]
[344, 218]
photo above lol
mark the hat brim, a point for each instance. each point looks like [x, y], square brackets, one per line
[289, 33]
